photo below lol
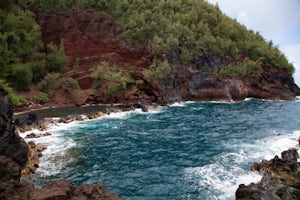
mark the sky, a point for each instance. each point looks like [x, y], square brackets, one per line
[276, 20]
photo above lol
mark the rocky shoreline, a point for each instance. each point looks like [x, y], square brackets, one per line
[281, 179]
[33, 121]
[16, 154]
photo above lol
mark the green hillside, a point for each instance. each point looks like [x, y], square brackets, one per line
[184, 28]
[190, 26]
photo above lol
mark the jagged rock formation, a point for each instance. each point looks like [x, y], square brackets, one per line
[14, 154]
[199, 82]
[281, 179]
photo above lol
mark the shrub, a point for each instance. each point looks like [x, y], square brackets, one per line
[114, 78]
[21, 77]
[38, 67]
[56, 58]
[15, 98]
[70, 85]
[246, 69]
[157, 71]
[50, 84]
[42, 98]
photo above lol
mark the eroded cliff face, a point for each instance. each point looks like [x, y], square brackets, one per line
[200, 82]
[91, 37]
[14, 154]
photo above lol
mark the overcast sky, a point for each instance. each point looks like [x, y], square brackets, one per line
[276, 20]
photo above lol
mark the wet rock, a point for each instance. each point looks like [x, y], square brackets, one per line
[35, 153]
[95, 115]
[11, 145]
[281, 179]
[290, 155]
[34, 135]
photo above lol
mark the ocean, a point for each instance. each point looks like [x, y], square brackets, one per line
[183, 151]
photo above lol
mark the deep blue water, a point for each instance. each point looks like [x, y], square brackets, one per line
[188, 151]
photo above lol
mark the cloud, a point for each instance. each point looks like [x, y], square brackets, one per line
[293, 54]
[276, 20]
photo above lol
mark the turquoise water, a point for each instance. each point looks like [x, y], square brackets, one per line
[185, 151]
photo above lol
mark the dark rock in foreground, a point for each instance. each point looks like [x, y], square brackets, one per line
[281, 179]
[14, 156]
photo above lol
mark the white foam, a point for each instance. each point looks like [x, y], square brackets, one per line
[178, 104]
[221, 182]
[189, 102]
[58, 145]
[53, 159]
[248, 99]
[221, 179]
[128, 114]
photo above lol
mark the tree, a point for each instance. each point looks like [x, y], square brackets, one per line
[56, 60]
[50, 84]
[115, 80]
[69, 85]
[20, 77]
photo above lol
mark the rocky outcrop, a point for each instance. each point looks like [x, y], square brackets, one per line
[281, 179]
[199, 82]
[62, 190]
[11, 145]
[35, 153]
[34, 135]
[15, 155]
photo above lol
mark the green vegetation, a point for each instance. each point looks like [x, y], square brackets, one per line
[69, 85]
[188, 25]
[49, 84]
[184, 28]
[52, 82]
[22, 61]
[42, 98]
[246, 69]
[15, 98]
[157, 71]
[117, 80]
[56, 60]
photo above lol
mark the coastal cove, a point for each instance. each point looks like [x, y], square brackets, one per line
[183, 151]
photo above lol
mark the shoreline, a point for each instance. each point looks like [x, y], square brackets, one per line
[26, 110]
[34, 122]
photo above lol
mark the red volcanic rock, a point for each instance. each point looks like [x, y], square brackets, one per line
[91, 37]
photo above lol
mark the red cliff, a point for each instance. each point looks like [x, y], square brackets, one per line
[91, 37]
